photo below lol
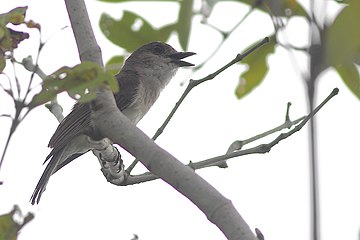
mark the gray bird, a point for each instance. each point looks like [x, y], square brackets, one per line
[145, 73]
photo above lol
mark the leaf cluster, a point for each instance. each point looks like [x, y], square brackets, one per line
[10, 38]
[79, 81]
[9, 228]
[342, 45]
[340, 40]
[122, 33]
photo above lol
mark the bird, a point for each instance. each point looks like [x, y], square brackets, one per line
[143, 76]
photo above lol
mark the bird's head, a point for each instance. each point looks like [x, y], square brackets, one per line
[157, 59]
[156, 53]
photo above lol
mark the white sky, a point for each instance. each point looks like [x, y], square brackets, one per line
[270, 191]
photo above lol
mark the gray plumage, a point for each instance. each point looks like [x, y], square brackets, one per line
[145, 73]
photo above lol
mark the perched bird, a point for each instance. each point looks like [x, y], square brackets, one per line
[145, 73]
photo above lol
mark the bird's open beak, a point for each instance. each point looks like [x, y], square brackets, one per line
[176, 58]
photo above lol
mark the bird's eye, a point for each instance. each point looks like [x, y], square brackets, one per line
[158, 49]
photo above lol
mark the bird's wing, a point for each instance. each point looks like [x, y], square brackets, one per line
[128, 88]
[79, 120]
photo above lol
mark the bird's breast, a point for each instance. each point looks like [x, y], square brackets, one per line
[147, 93]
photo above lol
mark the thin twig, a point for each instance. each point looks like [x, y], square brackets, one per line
[9, 90]
[20, 104]
[194, 83]
[54, 107]
[41, 45]
[29, 88]
[262, 148]
[287, 116]
[226, 35]
[239, 144]
[6, 146]
[18, 88]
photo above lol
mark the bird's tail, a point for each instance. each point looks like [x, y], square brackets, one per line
[49, 170]
[59, 157]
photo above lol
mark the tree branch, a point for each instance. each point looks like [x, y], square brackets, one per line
[227, 34]
[238, 144]
[110, 122]
[192, 84]
[218, 160]
[54, 107]
[88, 48]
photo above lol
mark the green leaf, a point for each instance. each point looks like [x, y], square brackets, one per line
[342, 38]
[257, 68]
[279, 8]
[119, 1]
[2, 61]
[357, 59]
[350, 75]
[122, 32]
[80, 82]
[184, 22]
[9, 38]
[5, 39]
[9, 228]
[15, 16]
[17, 37]
[113, 66]
[341, 1]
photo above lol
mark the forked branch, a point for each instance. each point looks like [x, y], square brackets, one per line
[218, 160]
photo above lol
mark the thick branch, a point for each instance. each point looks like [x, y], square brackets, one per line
[110, 122]
[118, 128]
[193, 83]
[88, 48]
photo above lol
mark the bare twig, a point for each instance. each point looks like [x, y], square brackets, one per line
[19, 102]
[6, 146]
[218, 209]
[29, 87]
[226, 35]
[5, 115]
[9, 90]
[194, 83]
[238, 144]
[18, 87]
[287, 116]
[54, 107]
[259, 234]
[262, 148]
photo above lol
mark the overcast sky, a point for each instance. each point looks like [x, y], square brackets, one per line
[270, 191]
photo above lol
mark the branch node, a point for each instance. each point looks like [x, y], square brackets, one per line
[287, 116]
[191, 165]
[259, 234]
[266, 40]
[264, 148]
[235, 146]
[334, 92]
